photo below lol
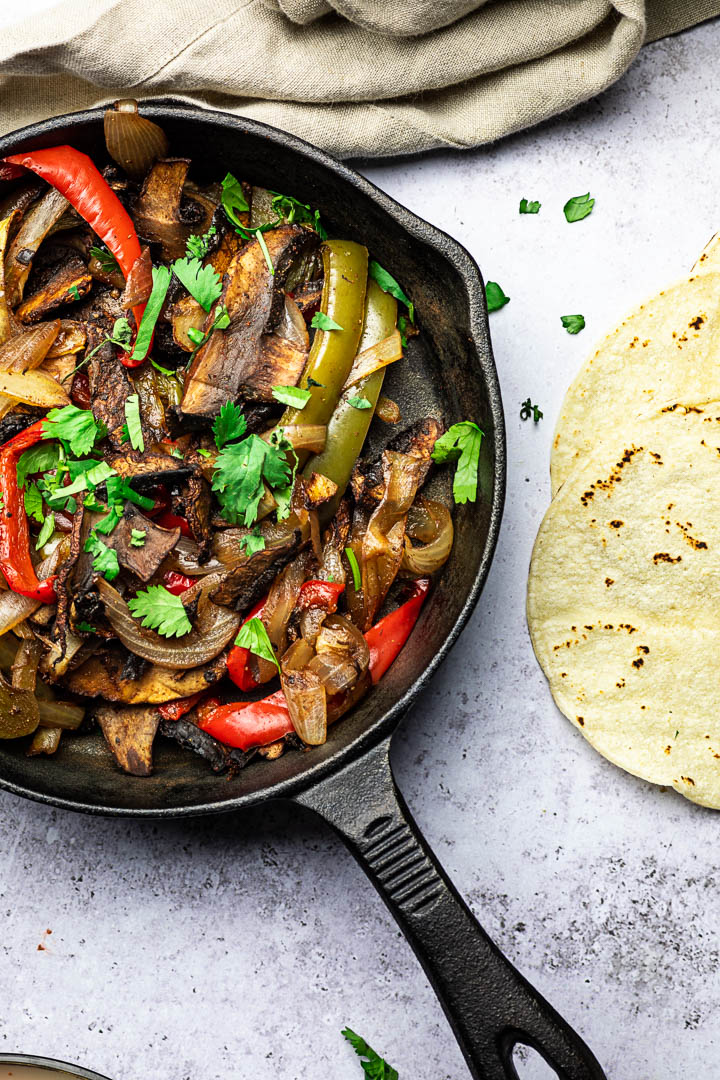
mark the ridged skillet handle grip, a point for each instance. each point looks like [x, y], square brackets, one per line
[489, 1004]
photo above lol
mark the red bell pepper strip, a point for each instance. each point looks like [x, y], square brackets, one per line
[177, 583]
[168, 520]
[76, 177]
[320, 594]
[173, 710]
[15, 561]
[256, 723]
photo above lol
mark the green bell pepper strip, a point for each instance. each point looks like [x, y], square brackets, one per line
[348, 426]
[333, 351]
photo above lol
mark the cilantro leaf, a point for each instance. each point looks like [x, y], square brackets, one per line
[119, 491]
[40, 458]
[196, 336]
[161, 276]
[374, 1067]
[290, 210]
[137, 537]
[105, 561]
[233, 199]
[73, 290]
[33, 502]
[94, 476]
[197, 247]
[573, 323]
[253, 542]
[578, 207]
[240, 471]
[527, 207]
[134, 426]
[48, 528]
[352, 559]
[161, 369]
[108, 523]
[228, 425]
[162, 611]
[85, 628]
[108, 262]
[321, 321]
[359, 403]
[121, 333]
[313, 382]
[388, 284]
[291, 395]
[495, 297]
[78, 427]
[527, 409]
[202, 282]
[254, 637]
[461, 443]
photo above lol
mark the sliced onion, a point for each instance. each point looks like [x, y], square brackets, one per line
[25, 352]
[54, 663]
[342, 655]
[292, 325]
[45, 741]
[60, 714]
[36, 224]
[376, 357]
[133, 141]
[185, 558]
[25, 665]
[33, 388]
[388, 410]
[302, 436]
[307, 705]
[15, 608]
[71, 339]
[431, 523]
[7, 323]
[215, 626]
[59, 368]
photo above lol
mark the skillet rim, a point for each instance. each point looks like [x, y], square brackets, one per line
[479, 334]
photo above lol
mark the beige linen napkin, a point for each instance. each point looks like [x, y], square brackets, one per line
[359, 77]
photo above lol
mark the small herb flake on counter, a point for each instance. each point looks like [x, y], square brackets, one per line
[359, 403]
[161, 276]
[76, 427]
[228, 425]
[134, 426]
[528, 207]
[321, 321]
[108, 262]
[253, 542]
[105, 561]
[48, 528]
[73, 290]
[197, 246]
[294, 396]
[573, 323]
[578, 207]
[254, 637]
[202, 282]
[527, 410]
[374, 1066]
[461, 443]
[354, 566]
[161, 610]
[388, 284]
[495, 297]
[137, 537]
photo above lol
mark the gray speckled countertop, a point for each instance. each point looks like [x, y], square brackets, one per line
[239, 947]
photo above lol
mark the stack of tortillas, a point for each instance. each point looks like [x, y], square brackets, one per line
[624, 585]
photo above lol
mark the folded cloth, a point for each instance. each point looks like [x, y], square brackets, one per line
[358, 77]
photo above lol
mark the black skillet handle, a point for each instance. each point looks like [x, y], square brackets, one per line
[489, 1004]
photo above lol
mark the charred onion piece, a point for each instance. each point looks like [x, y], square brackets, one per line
[133, 141]
[7, 321]
[431, 523]
[35, 226]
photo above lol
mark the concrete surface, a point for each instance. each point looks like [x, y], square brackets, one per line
[239, 948]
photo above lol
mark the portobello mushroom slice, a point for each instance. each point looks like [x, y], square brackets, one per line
[231, 359]
[161, 213]
[250, 578]
[68, 283]
[102, 676]
[110, 387]
[191, 737]
[144, 558]
[194, 503]
[130, 734]
[148, 467]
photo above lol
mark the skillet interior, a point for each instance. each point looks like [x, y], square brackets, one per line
[448, 372]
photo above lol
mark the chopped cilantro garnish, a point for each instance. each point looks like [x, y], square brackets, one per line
[203, 452]
[108, 262]
[527, 207]
[162, 611]
[161, 276]
[461, 443]
[359, 403]
[312, 382]
[253, 542]
[290, 210]
[161, 369]
[352, 559]
[402, 327]
[109, 522]
[527, 410]
[105, 559]
[119, 492]
[495, 297]
[374, 1067]
[137, 537]
[233, 199]
[33, 502]
[388, 284]
[48, 528]
[578, 207]
[85, 627]
[202, 282]
[77, 427]
[98, 473]
[254, 637]
[321, 321]
[196, 336]
[294, 396]
[573, 323]
[134, 425]
[241, 471]
[197, 247]
[73, 290]
[228, 425]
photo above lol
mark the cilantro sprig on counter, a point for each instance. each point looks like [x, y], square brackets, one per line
[529, 207]
[495, 297]
[461, 443]
[374, 1067]
[158, 609]
[578, 207]
[527, 409]
[573, 323]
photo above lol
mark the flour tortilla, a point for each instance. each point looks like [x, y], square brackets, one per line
[709, 257]
[624, 600]
[665, 351]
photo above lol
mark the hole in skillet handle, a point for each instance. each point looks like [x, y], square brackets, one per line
[530, 1065]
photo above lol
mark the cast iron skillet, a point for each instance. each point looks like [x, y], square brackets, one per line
[348, 781]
